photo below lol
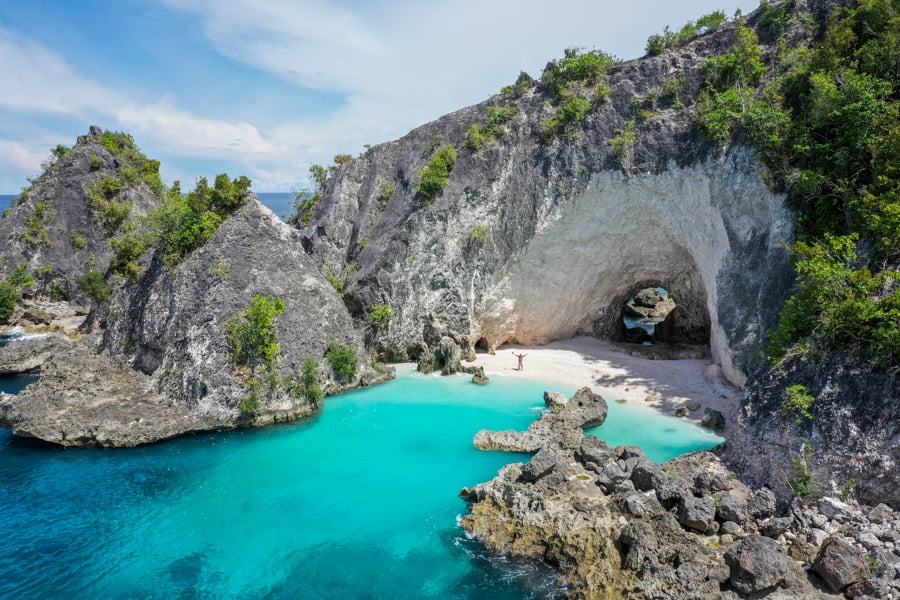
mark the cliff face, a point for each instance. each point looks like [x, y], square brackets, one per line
[850, 443]
[56, 224]
[164, 366]
[535, 239]
[170, 325]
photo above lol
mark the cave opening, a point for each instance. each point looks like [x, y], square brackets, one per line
[658, 313]
[646, 316]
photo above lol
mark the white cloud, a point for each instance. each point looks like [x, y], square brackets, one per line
[19, 157]
[182, 133]
[395, 64]
[38, 80]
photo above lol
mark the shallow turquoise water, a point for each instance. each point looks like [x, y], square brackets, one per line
[358, 503]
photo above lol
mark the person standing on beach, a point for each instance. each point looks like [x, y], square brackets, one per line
[521, 367]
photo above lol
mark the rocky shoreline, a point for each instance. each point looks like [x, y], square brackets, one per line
[618, 525]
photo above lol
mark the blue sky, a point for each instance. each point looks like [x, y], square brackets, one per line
[267, 87]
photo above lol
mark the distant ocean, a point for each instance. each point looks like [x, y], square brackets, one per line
[281, 203]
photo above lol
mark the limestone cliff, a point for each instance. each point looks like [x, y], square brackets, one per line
[536, 238]
[59, 223]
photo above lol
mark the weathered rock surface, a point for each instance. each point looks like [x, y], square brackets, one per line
[112, 405]
[851, 440]
[163, 367]
[618, 525]
[170, 324]
[70, 230]
[564, 236]
[28, 355]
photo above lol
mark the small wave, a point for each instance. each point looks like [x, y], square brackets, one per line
[18, 333]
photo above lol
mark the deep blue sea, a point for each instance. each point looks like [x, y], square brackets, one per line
[281, 203]
[360, 502]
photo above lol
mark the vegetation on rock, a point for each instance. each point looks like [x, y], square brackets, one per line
[434, 175]
[658, 43]
[825, 121]
[381, 315]
[9, 297]
[342, 359]
[251, 334]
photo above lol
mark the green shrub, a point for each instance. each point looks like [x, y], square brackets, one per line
[340, 159]
[478, 234]
[36, 222]
[251, 334]
[523, 84]
[137, 167]
[311, 387]
[96, 162]
[499, 115]
[623, 145]
[184, 223]
[78, 240]
[21, 278]
[340, 279]
[107, 203]
[577, 68]
[434, 176]
[60, 290]
[381, 315]
[802, 484]
[128, 247]
[304, 202]
[343, 361]
[385, 191]
[566, 118]
[9, 297]
[477, 136]
[798, 401]
[92, 284]
[221, 270]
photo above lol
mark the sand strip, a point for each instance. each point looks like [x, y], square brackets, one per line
[586, 361]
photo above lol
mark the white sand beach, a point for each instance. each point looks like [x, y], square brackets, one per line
[615, 375]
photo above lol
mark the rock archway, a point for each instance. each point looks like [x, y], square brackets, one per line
[712, 234]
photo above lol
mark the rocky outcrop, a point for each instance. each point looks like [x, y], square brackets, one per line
[534, 240]
[85, 399]
[29, 355]
[850, 443]
[55, 224]
[619, 525]
[164, 366]
[170, 324]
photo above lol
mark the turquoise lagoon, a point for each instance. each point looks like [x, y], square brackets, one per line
[360, 502]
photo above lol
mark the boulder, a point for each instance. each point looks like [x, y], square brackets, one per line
[840, 564]
[697, 513]
[713, 419]
[758, 566]
[555, 401]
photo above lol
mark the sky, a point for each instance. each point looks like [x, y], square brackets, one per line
[265, 88]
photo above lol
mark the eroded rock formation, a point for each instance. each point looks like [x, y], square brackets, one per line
[618, 525]
[534, 240]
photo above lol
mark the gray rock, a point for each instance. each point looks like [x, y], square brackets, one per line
[555, 401]
[697, 513]
[713, 419]
[758, 565]
[881, 513]
[732, 528]
[28, 355]
[840, 564]
[733, 507]
[642, 506]
[775, 526]
[816, 537]
[761, 504]
[868, 540]
[835, 509]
